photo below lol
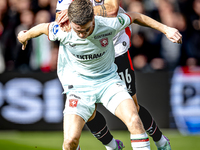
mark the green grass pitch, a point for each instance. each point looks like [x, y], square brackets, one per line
[15, 140]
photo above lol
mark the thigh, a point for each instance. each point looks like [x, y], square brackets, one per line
[72, 125]
[126, 71]
[125, 110]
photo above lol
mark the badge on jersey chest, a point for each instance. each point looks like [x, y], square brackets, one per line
[104, 42]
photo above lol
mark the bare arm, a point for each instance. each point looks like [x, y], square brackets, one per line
[35, 31]
[143, 20]
[108, 9]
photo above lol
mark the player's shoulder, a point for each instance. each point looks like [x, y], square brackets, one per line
[120, 19]
[54, 27]
[56, 33]
[104, 20]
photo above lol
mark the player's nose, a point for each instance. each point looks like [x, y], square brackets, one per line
[82, 35]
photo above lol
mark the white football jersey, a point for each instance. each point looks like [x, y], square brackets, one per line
[92, 57]
[121, 41]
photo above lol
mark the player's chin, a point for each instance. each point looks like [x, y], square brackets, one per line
[84, 37]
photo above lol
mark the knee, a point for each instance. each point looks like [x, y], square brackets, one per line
[134, 119]
[134, 123]
[70, 143]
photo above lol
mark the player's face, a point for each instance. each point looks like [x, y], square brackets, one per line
[85, 30]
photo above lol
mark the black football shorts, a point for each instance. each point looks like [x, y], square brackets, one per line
[126, 71]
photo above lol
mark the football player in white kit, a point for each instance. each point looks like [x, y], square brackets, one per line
[110, 8]
[90, 75]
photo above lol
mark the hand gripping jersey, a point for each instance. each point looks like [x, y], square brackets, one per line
[121, 41]
[90, 59]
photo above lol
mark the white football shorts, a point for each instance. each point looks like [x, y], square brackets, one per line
[81, 100]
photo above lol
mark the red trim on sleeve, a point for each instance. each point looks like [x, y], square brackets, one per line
[129, 17]
[128, 32]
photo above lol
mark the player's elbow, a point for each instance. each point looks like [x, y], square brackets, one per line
[44, 29]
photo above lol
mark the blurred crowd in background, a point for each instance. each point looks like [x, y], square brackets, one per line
[150, 50]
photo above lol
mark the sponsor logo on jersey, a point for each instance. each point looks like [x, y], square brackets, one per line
[72, 45]
[55, 29]
[121, 19]
[60, 1]
[73, 103]
[72, 95]
[102, 35]
[98, 1]
[90, 57]
[124, 43]
[104, 42]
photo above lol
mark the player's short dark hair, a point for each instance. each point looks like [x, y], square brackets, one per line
[80, 12]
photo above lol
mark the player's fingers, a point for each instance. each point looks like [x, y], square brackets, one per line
[24, 45]
[62, 27]
[178, 38]
[62, 16]
[59, 18]
[64, 19]
[173, 40]
[179, 34]
[180, 41]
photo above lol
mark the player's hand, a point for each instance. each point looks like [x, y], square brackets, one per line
[62, 17]
[63, 21]
[66, 27]
[21, 39]
[173, 35]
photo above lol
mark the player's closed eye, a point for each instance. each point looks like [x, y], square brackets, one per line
[88, 29]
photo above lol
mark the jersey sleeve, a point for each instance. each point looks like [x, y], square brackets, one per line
[121, 22]
[62, 5]
[55, 33]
